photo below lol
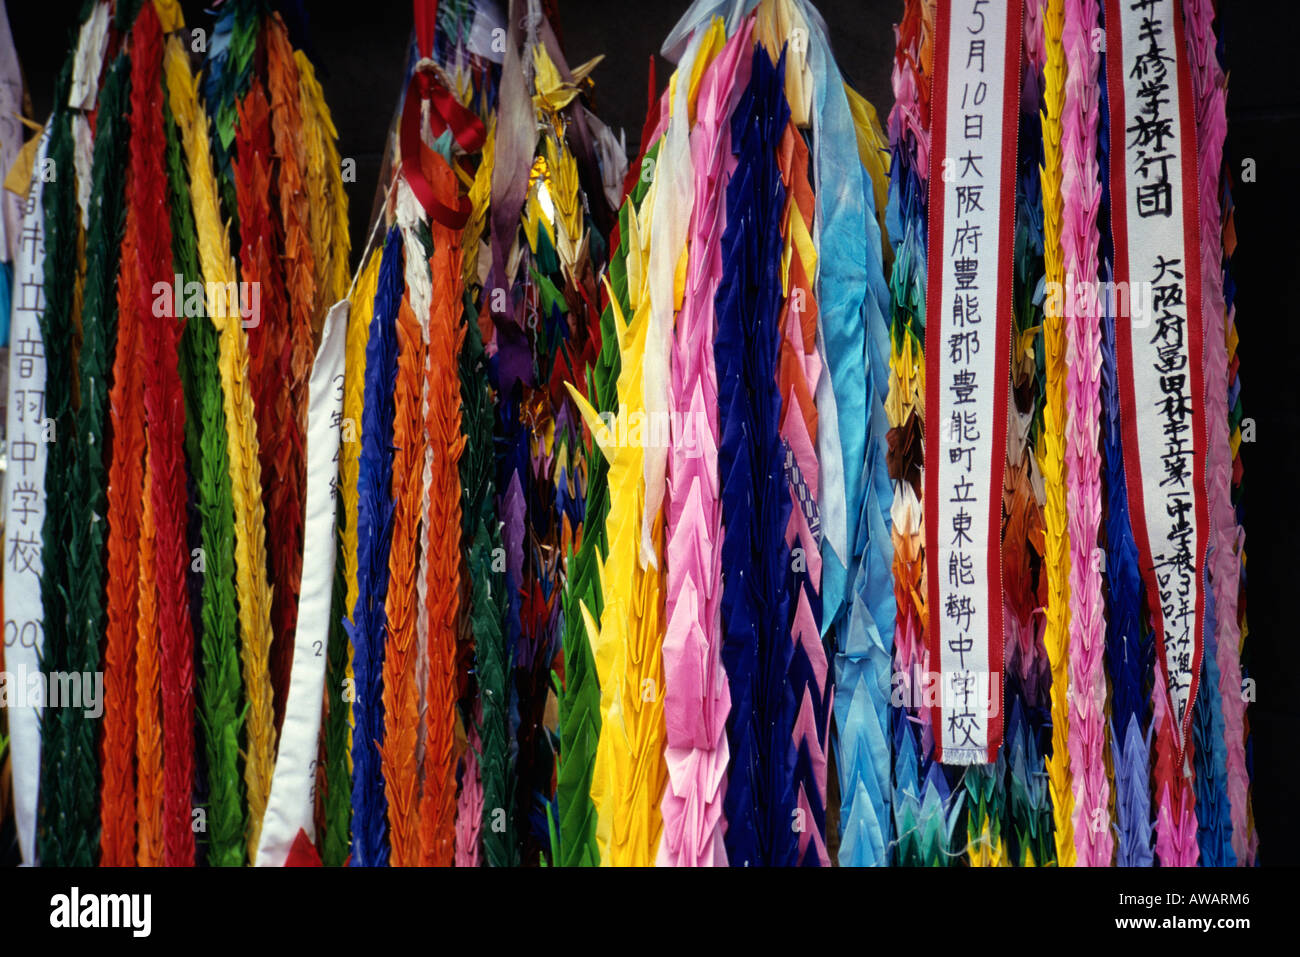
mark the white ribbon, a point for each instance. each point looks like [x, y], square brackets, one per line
[1158, 332]
[24, 504]
[293, 784]
[972, 190]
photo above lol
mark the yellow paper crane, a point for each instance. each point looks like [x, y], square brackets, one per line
[553, 92]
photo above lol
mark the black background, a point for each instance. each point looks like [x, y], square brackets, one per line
[359, 52]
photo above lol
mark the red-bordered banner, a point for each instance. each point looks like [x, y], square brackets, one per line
[1156, 225]
[975, 107]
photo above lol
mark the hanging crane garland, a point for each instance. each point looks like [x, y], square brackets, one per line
[628, 555]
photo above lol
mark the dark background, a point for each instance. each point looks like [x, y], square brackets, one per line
[359, 50]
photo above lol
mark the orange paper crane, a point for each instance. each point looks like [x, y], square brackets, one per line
[442, 586]
[125, 501]
[148, 723]
[300, 290]
[401, 653]
[165, 417]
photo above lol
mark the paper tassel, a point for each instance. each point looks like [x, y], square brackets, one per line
[1175, 825]
[923, 804]
[1210, 88]
[270, 353]
[531, 441]
[488, 605]
[756, 649]
[1080, 197]
[513, 359]
[251, 589]
[59, 319]
[60, 323]
[1051, 453]
[843, 235]
[671, 215]
[442, 434]
[1236, 419]
[696, 695]
[220, 687]
[156, 350]
[469, 807]
[226, 77]
[1025, 797]
[584, 596]
[289, 468]
[628, 826]
[339, 725]
[584, 593]
[327, 202]
[77, 775]
[925, 812]
[864, 635]
[1028, 676]
[401, 686]
[799, 368]
[1214, 827]
[149, 723]
[374, 536]
[125, 501]
[1130, 640]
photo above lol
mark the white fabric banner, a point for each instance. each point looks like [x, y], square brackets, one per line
[291, 806]
[24, 504]
[968, 297]
[1159, 341]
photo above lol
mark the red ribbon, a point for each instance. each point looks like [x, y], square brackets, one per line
[467, 129]
[426, 22]
[445, 113]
